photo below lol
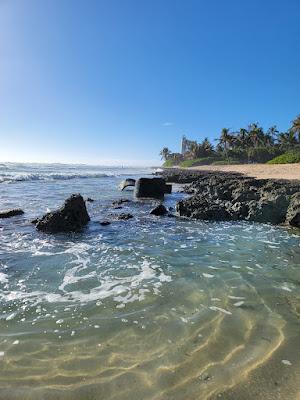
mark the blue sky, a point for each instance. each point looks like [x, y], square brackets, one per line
[114, 81]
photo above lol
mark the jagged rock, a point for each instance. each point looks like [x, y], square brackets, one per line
[269, 209]
[159, 210]
[72, 216]
[150, 188]
[11, 213]
[104, 223]
[199, 208]
[226, 197]
[293, 211]
[238, 210]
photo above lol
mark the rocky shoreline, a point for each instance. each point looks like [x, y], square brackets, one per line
[213, 196]
[225, 196]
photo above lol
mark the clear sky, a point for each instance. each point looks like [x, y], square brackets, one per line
[114, 81]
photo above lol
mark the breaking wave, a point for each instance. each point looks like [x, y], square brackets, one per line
[11, 178]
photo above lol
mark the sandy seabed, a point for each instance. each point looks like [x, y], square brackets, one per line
[261, 171]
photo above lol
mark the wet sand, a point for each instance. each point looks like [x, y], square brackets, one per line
[260, 171]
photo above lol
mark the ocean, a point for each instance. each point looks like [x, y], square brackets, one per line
[153, 308]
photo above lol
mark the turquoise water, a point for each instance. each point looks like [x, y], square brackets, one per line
[150, 308]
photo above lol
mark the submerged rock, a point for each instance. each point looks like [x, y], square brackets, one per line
[104, 223]
[71, 217]
[11, 213]
[90, 200]
[119, 202]
[293, 211]
[124, 216]
[159, 210]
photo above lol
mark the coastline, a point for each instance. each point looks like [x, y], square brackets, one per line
[259, 171]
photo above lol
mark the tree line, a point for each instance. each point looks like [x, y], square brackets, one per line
[251, 144]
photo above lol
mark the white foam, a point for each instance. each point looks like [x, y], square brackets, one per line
[3, 277]
[207, 275]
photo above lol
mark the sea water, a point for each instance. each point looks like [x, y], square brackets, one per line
[150, 308]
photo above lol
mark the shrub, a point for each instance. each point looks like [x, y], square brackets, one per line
[291, 156]
[263, 154]
[170, 163]
[197, 161]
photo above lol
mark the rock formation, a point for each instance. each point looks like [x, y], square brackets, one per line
[71, 217]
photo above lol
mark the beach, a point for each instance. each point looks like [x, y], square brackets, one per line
[260, 171]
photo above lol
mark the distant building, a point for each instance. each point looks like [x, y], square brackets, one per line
[185, 145]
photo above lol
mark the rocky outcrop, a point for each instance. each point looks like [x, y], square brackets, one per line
[150, 188]
[11, 213]
[229, 197]
[293, 211]
[159, 210]
[71, 217]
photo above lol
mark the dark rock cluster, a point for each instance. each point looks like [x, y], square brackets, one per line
[222, 197]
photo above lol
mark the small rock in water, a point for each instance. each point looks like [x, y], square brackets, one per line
[119, 202]
[124, 216]
[104, 223]
[90, 200]
[159, 210]
[11, 213]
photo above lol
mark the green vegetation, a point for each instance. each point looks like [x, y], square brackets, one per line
[170, 163]
[289, 157]
[247, 145]
[197, 161]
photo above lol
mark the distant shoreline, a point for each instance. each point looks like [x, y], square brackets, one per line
[259, 171]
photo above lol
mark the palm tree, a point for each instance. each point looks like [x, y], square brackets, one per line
[256, 134]
[271, 136]
[242, 138]
[165, 153]
[287, 138]
[207, 146]
[225, 139]
[296, 127]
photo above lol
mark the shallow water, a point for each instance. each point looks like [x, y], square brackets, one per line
[150, 308]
